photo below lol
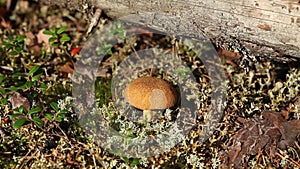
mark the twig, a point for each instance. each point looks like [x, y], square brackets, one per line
[27, 157]
[94, 20]
[289, 159]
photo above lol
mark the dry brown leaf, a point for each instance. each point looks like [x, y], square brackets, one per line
[31, 41]
[67, 68]
[18, 100]
[5, 24]
[42, 38]
[266, 132]
[291, 132]
[4, 18]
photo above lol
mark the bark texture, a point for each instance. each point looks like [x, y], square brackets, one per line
[266, 28]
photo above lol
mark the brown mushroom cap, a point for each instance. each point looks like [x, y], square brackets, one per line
[149, 93]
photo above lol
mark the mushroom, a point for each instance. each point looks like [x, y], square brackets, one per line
[150, 93]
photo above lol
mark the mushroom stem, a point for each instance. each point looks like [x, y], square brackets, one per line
[147, 115]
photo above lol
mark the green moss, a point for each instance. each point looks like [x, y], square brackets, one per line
[103, 90]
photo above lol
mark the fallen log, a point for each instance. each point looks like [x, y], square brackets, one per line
[266, 29]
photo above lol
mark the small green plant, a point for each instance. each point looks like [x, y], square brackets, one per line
[58, 116]
[28, 80]
[132, 161]
[15, 46]
[26, 116]
[102, 85]
[58, 37]
[182, 71]
[107, 48]
[3, 101]
[117, 29]
[32, 116]
[31, 81]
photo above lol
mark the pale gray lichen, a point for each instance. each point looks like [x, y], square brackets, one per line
[286, 92]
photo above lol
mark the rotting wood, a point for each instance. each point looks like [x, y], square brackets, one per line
[267, 28]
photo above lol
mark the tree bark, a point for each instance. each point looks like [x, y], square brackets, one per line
[266, 28]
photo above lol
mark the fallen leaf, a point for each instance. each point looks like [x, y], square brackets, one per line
[4, 17]
[42, 38]
[230, 57]
[18, 100]
[5, 24]
[67, 68]
[75, 51]
[31, 41]
[266, 132]
[290, 133]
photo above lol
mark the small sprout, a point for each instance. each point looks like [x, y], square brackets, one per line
[133, 162]
[15, 46]
[58, 37]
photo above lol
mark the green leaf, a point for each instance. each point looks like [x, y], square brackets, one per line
[65, 38]
[21, 109]
[18, 49]
[27, 85]
[33, 70]
[118, 24]
[64, 111]
[53, 29]
[17, 75]
[34, 110]
[47, 32]
[1, 78]
[36, 77]
[12, 89]
[107, 45]
[10, 38]
[52, 39]
[55, 44]
[6, 45]
[54, 106]
[121, 34]
[13, 116]
[109, 52]
[61, 115]
[49, 116]
[62, 29]
[38, 121]
[2, 91]
[100, 52]
[13, 53]
[43, 87]
[3, 101]
[112, 32]
[126, 159]
[58, 119]
[21, 38]
[135, 161]
[19, 123]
